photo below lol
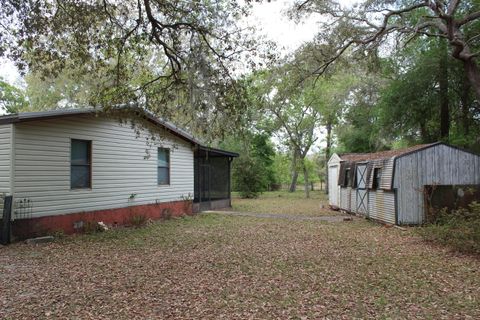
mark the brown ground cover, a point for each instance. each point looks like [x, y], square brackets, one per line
[214, 266]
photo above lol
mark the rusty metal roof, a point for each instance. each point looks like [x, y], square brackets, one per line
[357, 157]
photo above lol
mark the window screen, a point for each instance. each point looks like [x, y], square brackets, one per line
[80, 164]
[163, 165]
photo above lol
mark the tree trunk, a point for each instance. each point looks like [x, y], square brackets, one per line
[461, 51]
[465, 100]
[327, 153]
[293, 184]
[443, 84]
[473, 75]
[305, 178]
[423, 131]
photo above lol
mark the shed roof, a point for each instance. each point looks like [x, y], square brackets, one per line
[52, 114]
[357, 157]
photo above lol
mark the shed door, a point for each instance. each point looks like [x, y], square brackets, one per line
[362, 198]
[333, 185]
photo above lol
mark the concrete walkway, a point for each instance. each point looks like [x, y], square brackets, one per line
[336, 218]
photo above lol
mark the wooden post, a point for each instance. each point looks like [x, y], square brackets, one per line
[7, 214]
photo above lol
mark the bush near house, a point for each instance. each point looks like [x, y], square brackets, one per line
[248, 177]
[459, 229]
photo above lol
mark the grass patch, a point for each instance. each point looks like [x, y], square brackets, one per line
[283, 202]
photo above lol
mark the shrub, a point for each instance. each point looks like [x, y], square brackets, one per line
[248, 177]
[166, 213]
[459, 229]
[138, 220]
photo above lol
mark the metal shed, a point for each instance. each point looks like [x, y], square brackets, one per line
[389, 186]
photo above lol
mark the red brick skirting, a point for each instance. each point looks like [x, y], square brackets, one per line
[76, 222]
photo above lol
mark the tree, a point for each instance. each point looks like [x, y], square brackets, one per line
[12, 99]
[253, 171]
[438, 108]
[372, 24]
[161, 55]
[295, 119]
[247, 176]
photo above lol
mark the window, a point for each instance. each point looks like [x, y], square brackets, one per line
[80, 164]
[163, 165]
[377, 176]
[346, 178]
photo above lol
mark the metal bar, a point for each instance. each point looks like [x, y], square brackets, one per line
[229, 182]
[7, 214]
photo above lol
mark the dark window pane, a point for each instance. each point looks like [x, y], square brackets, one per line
[80, 177]
[80, 164]
[163, 157]
[347, 176]
[377, 176]
[163, 175]
[80, 152]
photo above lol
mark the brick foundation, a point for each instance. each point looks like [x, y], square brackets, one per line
[72, 223]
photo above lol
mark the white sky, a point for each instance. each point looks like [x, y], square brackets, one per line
[271, 21]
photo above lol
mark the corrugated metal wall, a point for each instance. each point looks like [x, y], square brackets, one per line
[437, 165]
[345, 197]
[353, 200]
[387, 174]
[381, 205]
[119, 166]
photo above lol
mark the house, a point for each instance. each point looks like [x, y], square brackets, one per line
[391, 186]
[65, 168]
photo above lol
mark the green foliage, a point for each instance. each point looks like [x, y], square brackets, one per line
[248, 176]
[12, 99]
[263, 150]
[257, 155]
[400, 104]
[282, 168]
[358, 131]
[173, 58]
[459, 229]
[410, 114]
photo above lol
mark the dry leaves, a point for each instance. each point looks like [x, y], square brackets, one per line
[213, 266]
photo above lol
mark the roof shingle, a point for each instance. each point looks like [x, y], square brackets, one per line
[357, 157]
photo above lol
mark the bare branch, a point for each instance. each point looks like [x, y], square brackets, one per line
[469, 18]
[452, 7]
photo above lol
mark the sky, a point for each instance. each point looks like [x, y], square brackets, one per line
[271, 22]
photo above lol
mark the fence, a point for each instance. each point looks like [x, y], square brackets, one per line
[5, 222]
[300, 186]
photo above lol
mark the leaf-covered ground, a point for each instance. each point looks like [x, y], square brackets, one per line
[213, 266]
[282, 202]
